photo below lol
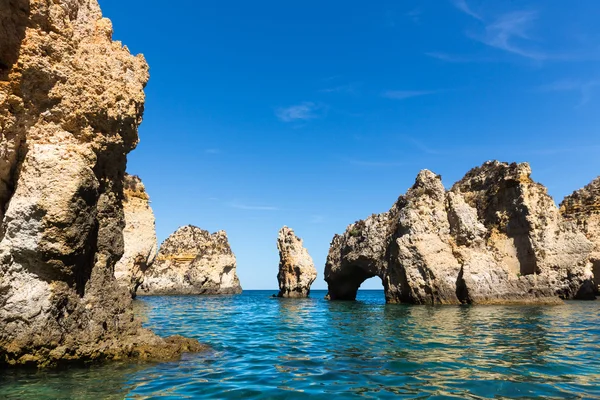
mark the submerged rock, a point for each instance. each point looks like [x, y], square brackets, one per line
[296, 268]
[495, 237]
[583, 208]
[71, 100]
[192, 261]
[139, 236]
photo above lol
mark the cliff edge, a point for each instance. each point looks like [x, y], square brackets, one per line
[71, 101]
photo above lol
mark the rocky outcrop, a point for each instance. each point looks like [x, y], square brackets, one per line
[583, 208]
[192, 261]
[296, 268]
[71, 100]
[495, 237]
[139, 236]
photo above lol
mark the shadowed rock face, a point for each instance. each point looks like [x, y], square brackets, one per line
[495, 237]
[296, 268]
[583, 208]
[139, 236]
[192, 261]
[71, 100]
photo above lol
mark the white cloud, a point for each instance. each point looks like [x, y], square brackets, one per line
[464, 7]
[317, 219]
[586, 89]
[242, 206]
[509, 28]
[350, 88]
[406, 94]
[371, 163]
[300, 112]
[212, 151]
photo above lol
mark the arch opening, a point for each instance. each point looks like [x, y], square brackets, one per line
[345, 286]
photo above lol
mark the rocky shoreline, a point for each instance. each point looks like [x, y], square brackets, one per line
[78, 238]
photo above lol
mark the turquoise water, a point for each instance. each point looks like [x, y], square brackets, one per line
[267, 348]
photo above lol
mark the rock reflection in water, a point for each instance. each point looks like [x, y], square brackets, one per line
[295, 349]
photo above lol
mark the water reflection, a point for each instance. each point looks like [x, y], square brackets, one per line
[285, 348]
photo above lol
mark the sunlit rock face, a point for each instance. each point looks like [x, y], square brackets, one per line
[71, 100]
[495, 237]
[583, 208]
[296, 268]
[192, 261]
[139, 235]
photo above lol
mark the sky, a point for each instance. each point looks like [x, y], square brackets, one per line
[316, 114]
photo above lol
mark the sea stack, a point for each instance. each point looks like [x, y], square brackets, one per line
[583, 208]
[139, 235]
[71, 101]
[296, 268]
[192, 261]
[495, 237]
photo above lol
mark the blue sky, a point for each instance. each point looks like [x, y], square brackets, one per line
[314, 114]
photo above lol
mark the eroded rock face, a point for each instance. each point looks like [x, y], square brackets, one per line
[296, 268]
[192, 261]
[71, 100]
[583, 208]
[139, 236]
[495, 237]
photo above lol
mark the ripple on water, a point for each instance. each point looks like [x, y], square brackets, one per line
[294, 349]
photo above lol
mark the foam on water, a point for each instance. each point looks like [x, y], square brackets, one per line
[295, 349]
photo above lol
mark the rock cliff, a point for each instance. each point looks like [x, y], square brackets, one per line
[71, 100]
[139, 236]
[495, 237]
[296, 268]
[192, 261]
[583, 208]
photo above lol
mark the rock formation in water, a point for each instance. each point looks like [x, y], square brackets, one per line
[495, 237]
[139, 235]
[296, 268]
[71, 100]
[583, 208]
[192, 261]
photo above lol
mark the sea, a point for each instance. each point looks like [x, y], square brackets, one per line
[270, 348]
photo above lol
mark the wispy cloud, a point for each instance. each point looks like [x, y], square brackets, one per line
[350, 88]
[455, 58]
[414, 15]
[508, 29]
[464, 7]
[373, 163]
[212, 151]
[242, 206]
[506, 32]
[421, 146]
[300, 112]
[316, 219]
[406, 94]
[585, 88]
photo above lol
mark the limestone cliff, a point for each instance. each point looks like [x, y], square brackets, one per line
[583, 208]
[495, 237]
[192, 261]
[139, 235]
[296, 268]
[71, 100]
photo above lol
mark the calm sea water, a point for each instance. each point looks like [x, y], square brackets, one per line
[265, 348]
